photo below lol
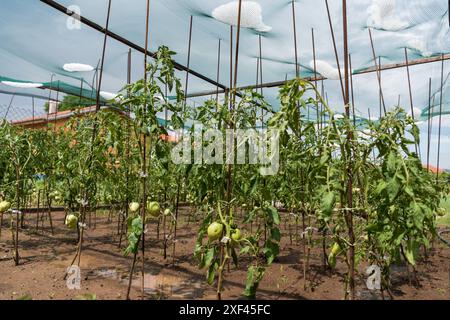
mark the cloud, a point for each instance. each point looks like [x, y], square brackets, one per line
[382, 16]
[251, 15]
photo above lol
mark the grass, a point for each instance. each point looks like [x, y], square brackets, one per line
[445, 220]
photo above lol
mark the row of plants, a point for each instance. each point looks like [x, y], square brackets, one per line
[358, 188]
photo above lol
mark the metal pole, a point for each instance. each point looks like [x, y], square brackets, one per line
[49, 97]
[349, 214]
[231, 65]
[352, 91]
[261, 75]
[315, 71]
[10, 103]
[188, 59]
[145, 171]
[238, 35]
[126, 42]
[378, 70]
[429, 126]
[32, 105]
[297, 67]
[103, 56]
[218, 70]
[380, 93]
[335, 50]
[440, 119]
[411, 97]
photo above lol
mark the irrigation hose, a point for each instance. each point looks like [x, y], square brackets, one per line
[442, 238]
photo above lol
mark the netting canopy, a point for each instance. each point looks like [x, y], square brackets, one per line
[43, 48]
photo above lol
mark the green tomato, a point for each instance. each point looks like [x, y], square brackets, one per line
[134, 207]
[4, 206]
[441, 212]
[215, 230]
[167, 212]
[71, 221]
[236, 235]
[153, 209]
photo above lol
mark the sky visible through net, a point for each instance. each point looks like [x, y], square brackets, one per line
[36, 41]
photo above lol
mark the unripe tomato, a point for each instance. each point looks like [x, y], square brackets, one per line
[215, 230]
[153, 209]
[4, 206]
[441, 212]
[134, 207]
[236, 235]
[71, 221]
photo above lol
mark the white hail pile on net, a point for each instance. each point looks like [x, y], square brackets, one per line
[419, 44]
[78, 67]
[326, 70]
[382, 15]
[109, 96]
[251, 15]
[24, 85]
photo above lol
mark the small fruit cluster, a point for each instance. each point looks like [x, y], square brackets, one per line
[153, 208]
[215, 232]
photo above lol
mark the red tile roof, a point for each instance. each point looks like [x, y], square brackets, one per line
[434, 169]
[70, 113]
[54, 116]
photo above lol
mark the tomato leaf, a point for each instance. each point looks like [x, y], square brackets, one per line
[254, 277]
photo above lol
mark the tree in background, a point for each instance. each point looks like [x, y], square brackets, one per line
[70, 102]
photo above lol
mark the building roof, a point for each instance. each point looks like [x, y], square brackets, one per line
[51, 117]
[434, 169]
[67, 114]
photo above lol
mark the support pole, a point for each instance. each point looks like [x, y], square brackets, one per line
[297, 67]
[103, 58]
[440, 119]
[429, 126]
[335, 49]
[378, 70]
[349, 213]
[411, 96]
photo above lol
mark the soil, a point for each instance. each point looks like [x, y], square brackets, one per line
[44, 259]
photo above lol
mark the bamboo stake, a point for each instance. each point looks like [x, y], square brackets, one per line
[429, 125]
[349, 213]
[335, 49]
[378, 70]
[440, 119]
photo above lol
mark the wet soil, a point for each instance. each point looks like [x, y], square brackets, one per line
[44, 259]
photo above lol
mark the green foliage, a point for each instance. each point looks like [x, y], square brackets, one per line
[135, 231]
[107, 158]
